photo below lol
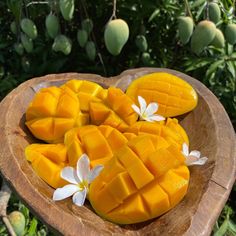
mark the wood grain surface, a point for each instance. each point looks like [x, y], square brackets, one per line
[209, 130]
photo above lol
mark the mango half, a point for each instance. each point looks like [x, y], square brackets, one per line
[174, 95]
[140, 183]
[47, 161]
[53, 110]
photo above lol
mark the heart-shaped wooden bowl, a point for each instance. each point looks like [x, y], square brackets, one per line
[209, 130]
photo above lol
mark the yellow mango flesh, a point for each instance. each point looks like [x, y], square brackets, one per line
[99, 142]
[86, 91]
[170, 130]
[140, 183]
[47, 161]
[174, 95]
[115, 111]
[53, 110]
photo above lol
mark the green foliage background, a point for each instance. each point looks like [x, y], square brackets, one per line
[157, 20]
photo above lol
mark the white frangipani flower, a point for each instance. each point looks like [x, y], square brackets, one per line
[194, 157]
[79, 179]
[147, 112]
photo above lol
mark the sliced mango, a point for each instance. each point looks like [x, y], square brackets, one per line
[115, 111]
[138, 184]
[99, 142]
[53, 110]
[174, 95]
[48, 160]
[170, 130]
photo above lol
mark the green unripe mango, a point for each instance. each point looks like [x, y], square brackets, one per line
[29, 28]
[230, 33]
[141, 43]
[214, 12]
[27, 43]
[52, 25]
[116, 35]
[185, 28]
[19, 48]
[62, 44]
[82, 37]
[67, 8]
[17, 221]
[146, 58]
[13, 27]
[87, 25]
[219, 40]
[202, 36]
[90, 50]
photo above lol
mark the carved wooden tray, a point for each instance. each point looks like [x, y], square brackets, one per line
[209, 130]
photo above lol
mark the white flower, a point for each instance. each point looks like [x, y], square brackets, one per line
[147, 112]
[79, 179]
[194, 157]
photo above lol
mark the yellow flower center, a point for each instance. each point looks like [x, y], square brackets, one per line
[83, 184]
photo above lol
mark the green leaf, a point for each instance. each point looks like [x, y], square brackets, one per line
[231, 68]
[198, 64]
[214, 67]
[33, 227]
[223, 229]
[154, 14]
[232, 226]
[198, 3]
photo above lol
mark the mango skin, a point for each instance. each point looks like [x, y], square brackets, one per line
[214, 12]
[17, 220]
[219, 40]
[230, 33]
[115, 110]
[140, 182]
[47, 161]
[203, 35]
[185, 27]
[174, 95]
[116, 35]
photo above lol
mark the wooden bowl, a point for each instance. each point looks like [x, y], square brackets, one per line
[209, 130]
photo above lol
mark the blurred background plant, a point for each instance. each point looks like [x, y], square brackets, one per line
[42, 37]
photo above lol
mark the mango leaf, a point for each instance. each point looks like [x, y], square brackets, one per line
[223, 229]
[33, 227]
[196, 64]
[154, 14]
[214, 67]
[232, 226]
[198, 3]
[231, 68]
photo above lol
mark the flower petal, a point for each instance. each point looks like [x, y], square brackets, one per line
[195, 153]
[64, 192]
[79, 197]
[69, 174]
[94, 173]
[156, 118]
[151, 108]
[185, 149]
[142, 104]
[136, 109]
[199, 161]
[83, 167]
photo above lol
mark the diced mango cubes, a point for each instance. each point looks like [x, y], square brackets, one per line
[115, 111]
[174, 95]
[99, 142]
[136, 188]
[144, 172]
